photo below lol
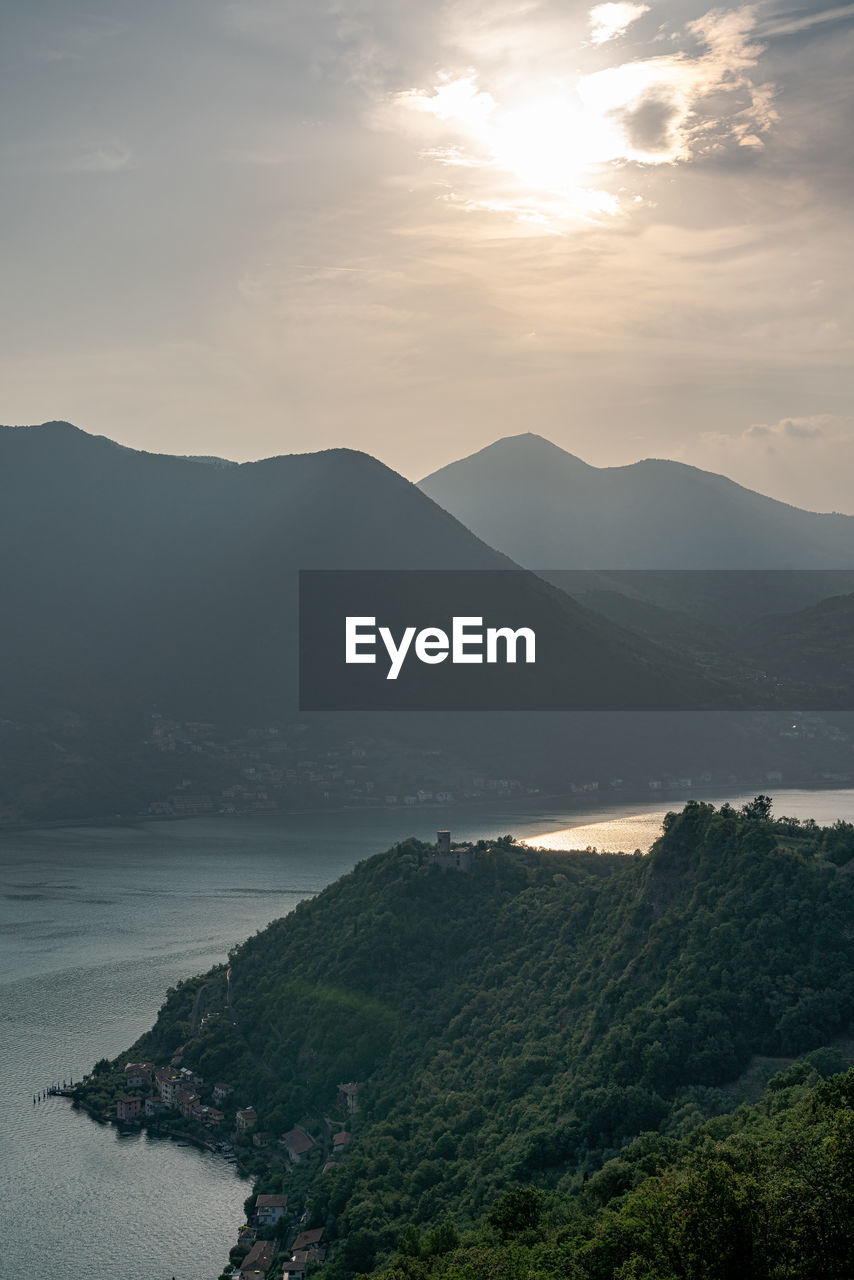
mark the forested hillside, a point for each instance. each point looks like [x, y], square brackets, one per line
[765, 1193]
[518, 1024]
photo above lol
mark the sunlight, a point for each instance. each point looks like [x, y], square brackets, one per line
[555, 150]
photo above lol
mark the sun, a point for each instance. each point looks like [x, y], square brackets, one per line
[549, 143]
[578, 145]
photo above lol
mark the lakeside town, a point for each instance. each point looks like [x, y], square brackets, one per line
[279, 1240]
[276, 1241]
[193, 768]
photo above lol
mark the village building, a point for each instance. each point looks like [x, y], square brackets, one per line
[340, 1142]
[246, 1119]
[153, 1106]
[348, 1097]
[297, 1142]
[258, 1261]
[129, 1107]
[270, 1209]
[208, 1115]
[295, 1269]
[308, 1239]
[168, 1082]
[138, 1074]
[221, 1092]
[186, 1100]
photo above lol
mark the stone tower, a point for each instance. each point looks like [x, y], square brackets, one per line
[451, 859]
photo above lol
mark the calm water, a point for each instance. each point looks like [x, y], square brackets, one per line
[95, 924]
[626, 827]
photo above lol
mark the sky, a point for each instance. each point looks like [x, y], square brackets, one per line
[272, 226]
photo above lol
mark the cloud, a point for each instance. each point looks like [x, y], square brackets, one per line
[804, 460]
[100, 158]
[564, 143]
[607, 21]
[795, 23]
[818, 426]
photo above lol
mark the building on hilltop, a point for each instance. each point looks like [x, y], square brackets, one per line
[448, 857]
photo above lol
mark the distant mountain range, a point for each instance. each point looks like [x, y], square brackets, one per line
[138, 585]
[148, 580]
[547, 509]
[144, 579]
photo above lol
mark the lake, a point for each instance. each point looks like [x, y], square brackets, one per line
[96, 923]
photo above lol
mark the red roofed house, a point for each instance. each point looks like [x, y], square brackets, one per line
[258, 1261]
[270, 1209]
[295, 1269]
[138, 1074]
[208, 1115]
[168, 1083]
[341, 1141]
[185, 1100]
[307, 1238]
[129, 1107]
[297, 1142]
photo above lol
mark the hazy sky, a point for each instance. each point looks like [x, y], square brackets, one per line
[278, 225]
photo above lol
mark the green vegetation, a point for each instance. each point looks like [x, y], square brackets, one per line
[766, 1193]
[550, 1045]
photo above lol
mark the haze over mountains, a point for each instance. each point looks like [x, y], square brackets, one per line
[550, 510]
[140, 584]
[173, 580]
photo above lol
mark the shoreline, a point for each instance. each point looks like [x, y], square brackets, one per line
[615, 796]
[144, 1125]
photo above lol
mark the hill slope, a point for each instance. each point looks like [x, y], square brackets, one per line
[549, 510]
[521, 1022]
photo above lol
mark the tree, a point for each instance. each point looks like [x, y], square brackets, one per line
[758, 808]
[516, 1211]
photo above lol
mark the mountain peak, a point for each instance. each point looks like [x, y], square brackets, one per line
[527, 448]
[545, 508]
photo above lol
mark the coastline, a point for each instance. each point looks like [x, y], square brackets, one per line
[565, 800]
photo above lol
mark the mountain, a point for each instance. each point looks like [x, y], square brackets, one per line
[516, 1024]
[144, 579]
[150, 608]
[813, 647]
[550, 510]
[148, 580]
[150, 637]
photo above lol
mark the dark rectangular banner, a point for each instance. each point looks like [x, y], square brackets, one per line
[497, 640]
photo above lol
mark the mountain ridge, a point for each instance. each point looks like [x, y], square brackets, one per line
[654, 513]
